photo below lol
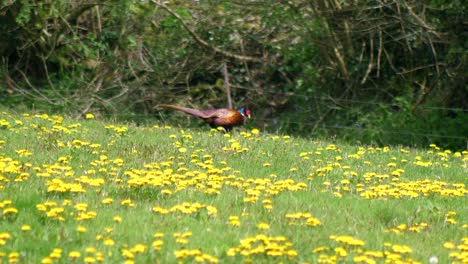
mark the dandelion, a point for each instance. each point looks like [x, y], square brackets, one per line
[23, 152]
[107, 201]
[349, 240]
[158, 235]
[451, 221]
[90, 250]
[263, 226]
[341, 252]
[10, 211]
[46, 260]
[234, 220]
[109, 242]
[4, 237]
[127, 202]
[81, 206]
[160, 210]
[89, 260]
[157, 245]
[13, 257]
[182, 150]
[291, 253]
[56, 253]
[311, 221]
[181, 240]
[89, 116]
[449, 245]
[139, 248]
[402, 249]
[320, 249]
[212, 211]
[345, 182]
[74, 254]
[166, 192]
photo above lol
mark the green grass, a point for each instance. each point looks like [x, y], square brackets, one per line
[385, 198]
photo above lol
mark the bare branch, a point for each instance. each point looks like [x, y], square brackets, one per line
[42, 96]
[434, 53]
[379, 54]
[371, 59]
[420, 21]
[203, 42]
[227, 85]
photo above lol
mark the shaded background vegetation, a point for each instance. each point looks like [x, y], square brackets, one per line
[383, 72]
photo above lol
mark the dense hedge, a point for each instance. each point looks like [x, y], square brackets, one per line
[385, 72]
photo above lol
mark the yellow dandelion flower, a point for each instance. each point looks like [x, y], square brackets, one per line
[449, 245]
[255, 131]
[90, 250]
[160, 210]
[158, 235]
[157, 245]
[451, 221]
[10, 211]
[56, 253]
[182, 150]
[291, 253]
[181, 240]
[107, 201]
[109, 242]
[46, 260]
[263, 226]
[320, 249]
[127, 202]
[212, 211]
[166, 192]
[89, 260]
[81, 229]
[74, 254]
[341, 252]
[402, 249]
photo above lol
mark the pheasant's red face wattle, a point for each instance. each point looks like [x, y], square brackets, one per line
[247, 113]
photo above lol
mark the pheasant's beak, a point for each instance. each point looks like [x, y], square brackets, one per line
[247, 113]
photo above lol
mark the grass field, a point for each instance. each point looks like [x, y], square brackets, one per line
[87, 191]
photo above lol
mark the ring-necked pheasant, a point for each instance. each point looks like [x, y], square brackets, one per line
[222, 117]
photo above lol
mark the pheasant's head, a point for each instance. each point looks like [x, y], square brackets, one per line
[245, 112]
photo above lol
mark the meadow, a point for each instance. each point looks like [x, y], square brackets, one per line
[91, 191]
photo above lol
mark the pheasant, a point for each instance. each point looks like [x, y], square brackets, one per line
[222, 117]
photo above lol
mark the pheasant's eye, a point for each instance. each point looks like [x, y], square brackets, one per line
[247, 112]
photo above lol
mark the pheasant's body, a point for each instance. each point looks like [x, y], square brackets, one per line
[223, 117]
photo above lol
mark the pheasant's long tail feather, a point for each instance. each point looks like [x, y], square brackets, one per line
[189, 111]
